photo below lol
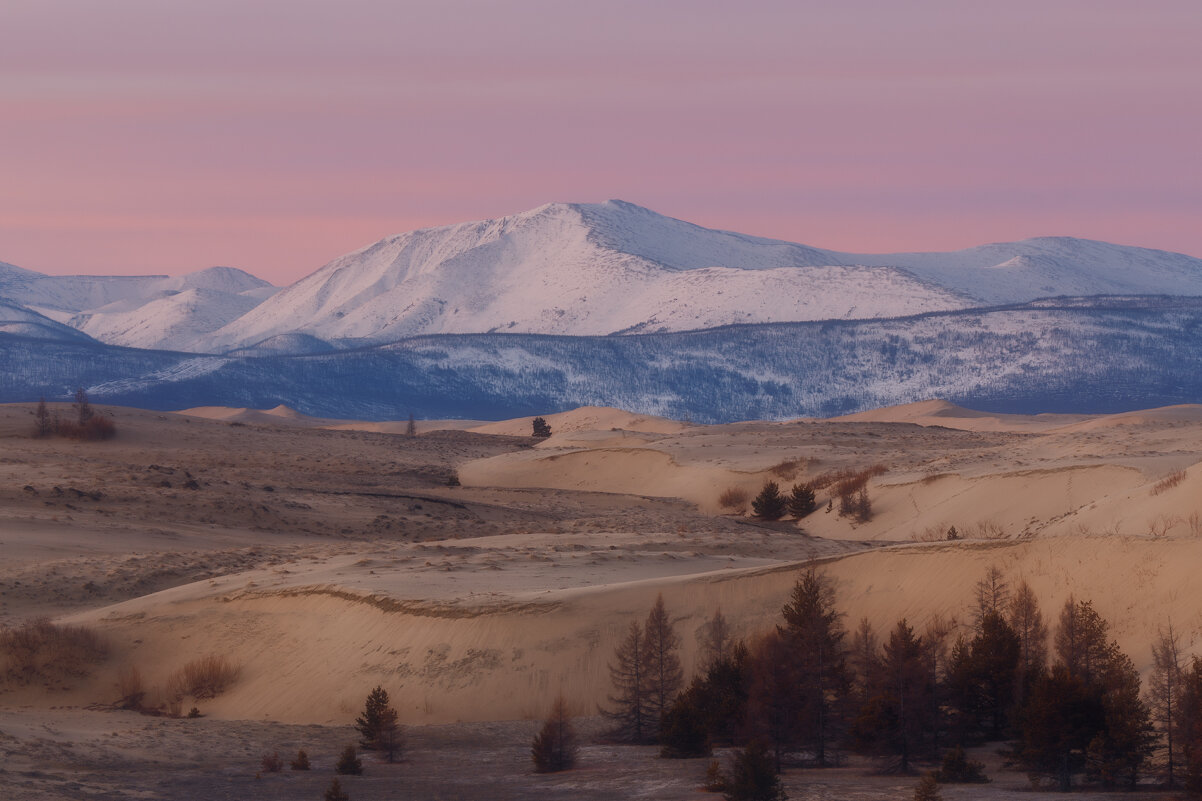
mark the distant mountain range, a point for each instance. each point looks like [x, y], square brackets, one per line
[571, 304]
[577, 270]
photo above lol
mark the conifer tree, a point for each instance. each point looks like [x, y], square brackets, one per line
[629, 705]
[335, 792]
[42, 416]
[541, 428]
[1165, 691]
[815, 635]
[714, 639]
[753, 776]
[769, 504]
[555, 747]
[801, 500]
[664, 673]
[1026, 620]
[371, 723]
[993, 593]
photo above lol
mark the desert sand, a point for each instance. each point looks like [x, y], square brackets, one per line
[476, 572]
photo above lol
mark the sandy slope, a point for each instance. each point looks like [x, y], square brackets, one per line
[360, 566]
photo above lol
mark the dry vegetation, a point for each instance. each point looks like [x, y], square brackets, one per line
[41, 652]
[734, 499]
[1168, 482]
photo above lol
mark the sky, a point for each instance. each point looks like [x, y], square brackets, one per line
[163, 136]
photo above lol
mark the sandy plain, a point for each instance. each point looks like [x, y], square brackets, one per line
[475, 573]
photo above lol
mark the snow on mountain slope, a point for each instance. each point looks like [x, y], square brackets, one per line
[1016, 272]
[173, 321]
[154, 311]
[20, 321]
[576, 269]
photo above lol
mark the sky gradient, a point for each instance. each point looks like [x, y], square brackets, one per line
[155, 136]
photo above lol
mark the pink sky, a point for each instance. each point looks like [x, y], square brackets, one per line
[144, 136]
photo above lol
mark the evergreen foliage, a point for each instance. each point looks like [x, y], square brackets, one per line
[683, 732]
[335, 792]
[769, 504]
[541, 428]
[802, 500]
[753, 776]
[377, 726]
[958, 769]
[349, 763]
[927, 788]
[301, 762]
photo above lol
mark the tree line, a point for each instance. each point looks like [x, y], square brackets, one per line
[809, 691]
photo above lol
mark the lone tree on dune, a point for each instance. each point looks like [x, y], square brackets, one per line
[541, 428]
[378, 727]
[628, 672]
[554, 748]
[411, 428]
[769, 504]
[664, 674]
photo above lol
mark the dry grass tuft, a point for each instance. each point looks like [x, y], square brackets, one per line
[202, 678]
[1168, 482]
[734, 498]
[41, 652]
[131, 689]
[789, 468]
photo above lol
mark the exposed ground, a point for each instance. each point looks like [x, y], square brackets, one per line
[325, 557]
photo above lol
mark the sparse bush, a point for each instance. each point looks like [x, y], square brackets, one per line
[787, 469]
[715, 781]
[40, 651]
[193, 713]
[1168, 482]
[927, 789]
[272, 763]
[769, 504]
[952, 534]
[131, 690]
[301, 762]
[957, 769]
[349, 763]
[202, 678]
[734, 499]
[554, 748]
[335, 792]
[753, 776]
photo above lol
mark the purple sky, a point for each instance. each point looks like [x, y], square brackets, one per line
[142, 136]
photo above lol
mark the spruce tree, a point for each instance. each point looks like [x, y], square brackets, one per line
[769, 504]
[370, 723]
[801, 500]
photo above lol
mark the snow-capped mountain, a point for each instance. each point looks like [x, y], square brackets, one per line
[154, 311]
[579, 269]
[617, 268]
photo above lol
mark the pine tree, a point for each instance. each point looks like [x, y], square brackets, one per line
[664, 674]
[683, 731]
[390, 737]
[1081, 640]
[541, 428]
[630, 704]
[349, 763]
[801, 500]
[371, 721]
[815, 635]
[555, 748]
[753, 776]
[769, 504]
[927, 789]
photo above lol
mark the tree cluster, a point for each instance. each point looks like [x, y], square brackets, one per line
[809, 689]
[83, 423]
[772, 504]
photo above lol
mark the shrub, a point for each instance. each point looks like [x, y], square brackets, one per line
[787, 469]
[554, 748]
[734, 499]
[540, 428]
[683, 732]
[715, 781]
[131, 690]
[301, 762]
[927, 789]
[349, 764]
[753, 776]
[193, 713]
[1168, 482]
[957, 769]
[335, 792]
[206, 677]
[769, 504]
[42, 651]
[272, 763]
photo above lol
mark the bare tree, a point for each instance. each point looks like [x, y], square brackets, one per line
[993, 593]
[1165, 690]
[629, 704]
[714, 639]
[42, 427]
[1024, 617]
[664, 674]
[555, 748]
